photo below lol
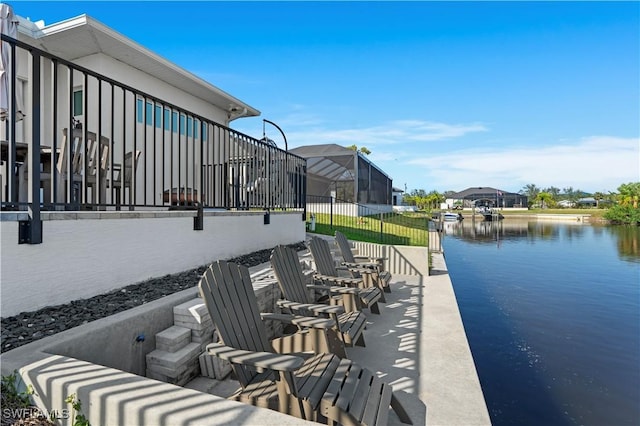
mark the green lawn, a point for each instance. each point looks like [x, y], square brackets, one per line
[400, 229]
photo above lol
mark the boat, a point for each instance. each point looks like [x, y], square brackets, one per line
[490, 214]
[452, 217]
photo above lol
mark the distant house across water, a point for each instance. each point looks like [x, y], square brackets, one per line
[486, 196]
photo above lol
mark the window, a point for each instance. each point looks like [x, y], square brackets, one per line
[139, 111]
[148, 112]
[158, 116]
[78, 105]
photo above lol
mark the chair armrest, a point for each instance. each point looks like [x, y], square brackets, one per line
[315, 307]
[371, 258]
[341, 281]
[362, 265]
[361, 270]
[266, 360]
[300, 321]
[333, 289]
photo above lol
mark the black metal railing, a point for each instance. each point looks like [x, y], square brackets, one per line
[88, 142]
[326, 214]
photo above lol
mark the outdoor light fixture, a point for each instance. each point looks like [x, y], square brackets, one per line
[236, 111]
[268, 141]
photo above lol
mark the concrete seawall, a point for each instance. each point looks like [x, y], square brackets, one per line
[417, 344]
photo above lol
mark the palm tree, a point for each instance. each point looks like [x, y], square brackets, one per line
[629, 194]
[362, 149]
[598, 196]
[531, 191]
[545, 199]
[553, 191]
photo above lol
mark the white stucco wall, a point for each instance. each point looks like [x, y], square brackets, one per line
[133, 77]
[85, 257]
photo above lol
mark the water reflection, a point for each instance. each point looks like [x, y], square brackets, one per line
[483, 232]
[628, 238]
[552, 315]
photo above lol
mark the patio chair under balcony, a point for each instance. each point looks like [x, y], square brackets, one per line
[322, 387]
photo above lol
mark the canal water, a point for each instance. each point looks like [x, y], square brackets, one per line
[552, 315]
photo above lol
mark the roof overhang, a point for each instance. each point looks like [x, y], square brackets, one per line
[334, 168]
[83, 36]
[328, 161]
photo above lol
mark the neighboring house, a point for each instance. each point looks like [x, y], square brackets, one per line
[486, 197]
[397, 194]
[566, 204]
[587, 202]
[346, 175]
[398, 202]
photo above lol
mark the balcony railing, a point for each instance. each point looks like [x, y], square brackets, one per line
[88, 142]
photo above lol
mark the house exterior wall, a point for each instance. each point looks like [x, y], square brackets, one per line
[397, 198]
[85, 257]
[144, 82]
[115, 70]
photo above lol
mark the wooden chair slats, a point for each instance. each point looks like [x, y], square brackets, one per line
[375, 265]
[327, 268]
[359, 402]
[372, 413]
[290, 277]
[322, 386]
[347, 254]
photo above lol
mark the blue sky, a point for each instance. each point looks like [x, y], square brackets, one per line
[445, 95]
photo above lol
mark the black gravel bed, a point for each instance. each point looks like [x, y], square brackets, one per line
[27, 327]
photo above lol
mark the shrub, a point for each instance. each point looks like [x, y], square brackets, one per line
[623, 215]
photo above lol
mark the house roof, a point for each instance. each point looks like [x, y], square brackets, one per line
[83, 36]
[479, 192]
[323, 150]
[331, 161]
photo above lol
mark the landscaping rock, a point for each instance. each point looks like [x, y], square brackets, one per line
[27, 327]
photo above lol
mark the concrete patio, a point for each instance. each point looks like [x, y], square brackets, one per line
[417, 344]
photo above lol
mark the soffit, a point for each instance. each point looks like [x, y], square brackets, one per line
[83, 36]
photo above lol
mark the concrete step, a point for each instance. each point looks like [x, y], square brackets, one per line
[173, 338]
[193, 315]
[174, 360]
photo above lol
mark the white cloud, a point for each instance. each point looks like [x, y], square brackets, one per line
[389, 133]
[594, 163]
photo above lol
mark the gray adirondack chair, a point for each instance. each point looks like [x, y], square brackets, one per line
[321, 388]
[328, 274]
[297, 299]
[380, 277]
